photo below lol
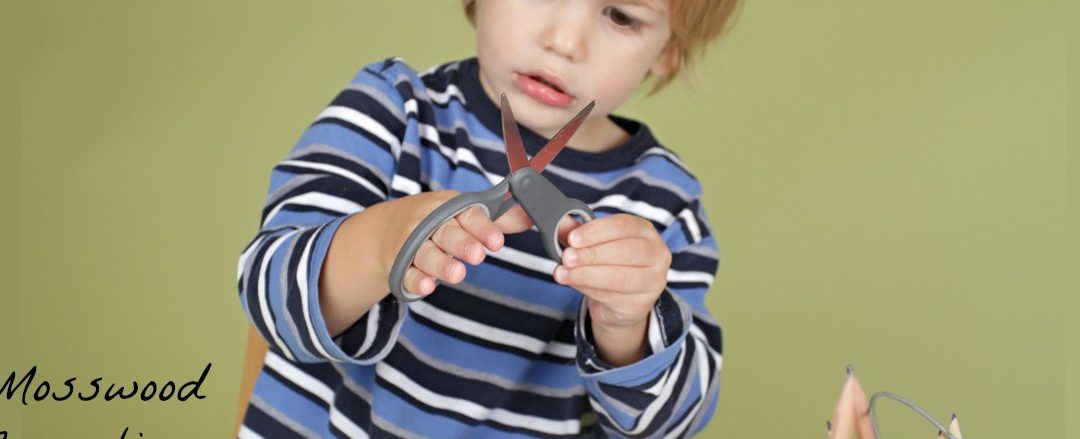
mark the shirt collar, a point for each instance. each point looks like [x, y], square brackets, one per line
[489, 114]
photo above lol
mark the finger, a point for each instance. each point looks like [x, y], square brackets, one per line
[844, 414]
[436, 263]
[417, 282]
[863, 428]
[476, 223]
[612, 278]
[598, 294]
[610, 228]
[630, 252]
[515, 220]
[566, 224]
[453, 239]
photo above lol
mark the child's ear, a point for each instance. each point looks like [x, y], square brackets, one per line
[666, 63]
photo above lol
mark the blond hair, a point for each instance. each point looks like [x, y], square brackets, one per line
[694, 24]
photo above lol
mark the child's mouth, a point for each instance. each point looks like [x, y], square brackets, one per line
[543, 91]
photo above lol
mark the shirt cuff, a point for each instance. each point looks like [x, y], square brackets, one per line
[669, 323]
[372, 336]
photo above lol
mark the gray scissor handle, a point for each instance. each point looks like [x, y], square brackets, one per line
[494, 202]
[546, 205]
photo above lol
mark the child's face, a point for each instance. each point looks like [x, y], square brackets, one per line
[598, 49]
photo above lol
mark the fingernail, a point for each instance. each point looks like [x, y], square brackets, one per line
[954, 416]
[570, 255]
[560, 274]
[828, 426]
[850, 370]
[426, 285]
[575, 238]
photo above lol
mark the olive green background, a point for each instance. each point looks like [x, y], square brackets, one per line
[886, 181]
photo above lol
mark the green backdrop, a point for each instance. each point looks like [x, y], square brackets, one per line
[886, 181]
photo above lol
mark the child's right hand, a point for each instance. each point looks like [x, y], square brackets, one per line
[465, 237]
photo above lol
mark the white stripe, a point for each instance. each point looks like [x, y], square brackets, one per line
[346, 425]
[702, 368]
[474, 410]
[697, 332]
[458, 155]
[366, 123]
[244, 257]
[432, 135]
[689, 276]
[403, 184]
[317, 199]
[655, 388]
[263, 306]
[370, 330]
[297, 376]
[636, 207]
[656, 150]
[336, 170]
[489, 333]
[525, 260]
[246, 433]
[411, 106]
[302, 282]
[560, 349]
[691, 224]
[442, 97]
[656, 341]
[316, 387]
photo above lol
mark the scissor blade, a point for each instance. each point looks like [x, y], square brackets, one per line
[556, 144]
[515, 149]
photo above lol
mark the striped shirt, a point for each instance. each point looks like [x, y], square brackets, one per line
[507, 352]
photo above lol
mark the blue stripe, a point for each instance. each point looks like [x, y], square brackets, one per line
[299, 409]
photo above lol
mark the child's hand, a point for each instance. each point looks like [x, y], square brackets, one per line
[620, 264]
[465, 237]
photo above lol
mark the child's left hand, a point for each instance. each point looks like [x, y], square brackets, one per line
[620, 264]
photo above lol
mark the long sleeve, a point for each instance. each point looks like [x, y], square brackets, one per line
[348, 159]
[673, 390]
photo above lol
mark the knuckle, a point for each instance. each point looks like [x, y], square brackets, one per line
[586, 256]
[426, 257]
[439, 237]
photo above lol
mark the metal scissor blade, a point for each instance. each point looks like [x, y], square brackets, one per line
[515, 149]
[556, 144]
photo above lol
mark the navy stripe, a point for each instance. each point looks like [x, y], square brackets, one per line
[266, 426]
[481, 392]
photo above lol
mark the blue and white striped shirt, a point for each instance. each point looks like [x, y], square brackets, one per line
[508, 351]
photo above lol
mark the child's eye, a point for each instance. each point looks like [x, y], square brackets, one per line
[622, 19]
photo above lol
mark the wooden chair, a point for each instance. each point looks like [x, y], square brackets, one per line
[253, 361]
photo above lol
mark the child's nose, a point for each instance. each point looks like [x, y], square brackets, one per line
[566, 34]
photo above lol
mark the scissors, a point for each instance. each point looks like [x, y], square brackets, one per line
[542, 201]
